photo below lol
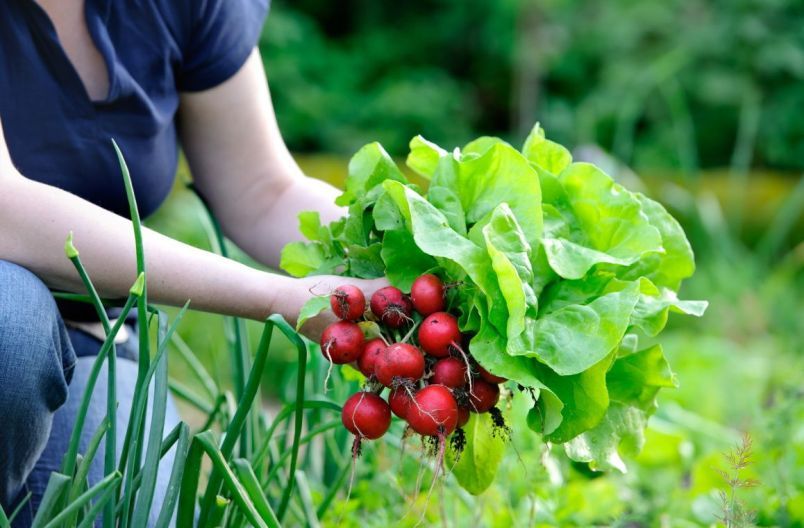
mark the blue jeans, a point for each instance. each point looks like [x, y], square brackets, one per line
[44, 367]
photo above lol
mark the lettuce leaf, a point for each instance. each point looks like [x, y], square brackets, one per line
[595, 221]
[584, 396]
[633, 383]
[509, 253]
[548, 155]
[424, 156]
[676, 262]
[501, 175]
[575, 337]
[403, 259]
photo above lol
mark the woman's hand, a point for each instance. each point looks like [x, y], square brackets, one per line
[296, 292]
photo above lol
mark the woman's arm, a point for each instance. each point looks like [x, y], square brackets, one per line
[35, 219]
[242, 167]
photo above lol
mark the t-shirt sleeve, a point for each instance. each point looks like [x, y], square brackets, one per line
[221, 36]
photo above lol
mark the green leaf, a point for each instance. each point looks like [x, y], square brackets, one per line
[628, 345]
[370, 329]
[209, 444]
[443, 194]
[510, 259]
[58, 486]
[248, 479]
[239, 419]
[573, 261]
[110, 481]
[620, 431]
[310, 226]
[477, 464]
[314, 306]
[177, 472]
[651, 311]
[568, 292]
[633, 383]
[480, 146]
[636, 379]
[676, 262]
[366, 262]
[351, 374]
[144, 498]
[584, 396]
[575, 337]
[403, 259]
[367, 170]
[386, 214]
[300, 259]
[424, 156]
[600, 223]
[611, 216]
[356, 227]
[548, 155]
[501, 175]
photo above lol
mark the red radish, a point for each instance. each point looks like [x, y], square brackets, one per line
[484, 396]
[366, 415]
[427, 294]
[400, 401]
[438, 332]
[348, 302]
[450, 372]
[342, 342]
[399, 362]
[392, 307]
[433, 412]
[463, 415]
[488, 376]
[371, 351]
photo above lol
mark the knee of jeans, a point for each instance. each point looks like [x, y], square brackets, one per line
[35, 354]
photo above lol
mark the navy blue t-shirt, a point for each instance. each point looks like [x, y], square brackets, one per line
[153, 50]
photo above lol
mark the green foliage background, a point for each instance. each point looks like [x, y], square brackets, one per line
[675, 83]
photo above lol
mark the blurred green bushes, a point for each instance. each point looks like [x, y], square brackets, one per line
[662, 83]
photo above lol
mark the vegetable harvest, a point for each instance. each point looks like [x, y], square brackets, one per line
[558, 278]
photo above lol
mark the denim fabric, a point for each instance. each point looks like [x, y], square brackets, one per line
[44, 367]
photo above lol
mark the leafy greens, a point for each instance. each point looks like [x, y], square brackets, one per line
[562, 271]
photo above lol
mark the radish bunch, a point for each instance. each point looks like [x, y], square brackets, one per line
[566, 277]
[434, 383]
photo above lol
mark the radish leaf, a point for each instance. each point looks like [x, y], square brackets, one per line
[477, 464]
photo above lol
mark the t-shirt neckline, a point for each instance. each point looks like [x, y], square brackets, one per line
[95, 12]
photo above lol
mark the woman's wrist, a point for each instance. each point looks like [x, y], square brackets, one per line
[282, 296]
[290, 294]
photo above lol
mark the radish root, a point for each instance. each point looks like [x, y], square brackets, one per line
[329, 369]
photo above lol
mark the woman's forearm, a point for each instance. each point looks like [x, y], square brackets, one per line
[36, 218]
[274, 226]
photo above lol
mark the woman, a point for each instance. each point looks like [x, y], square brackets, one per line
[73, 74]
